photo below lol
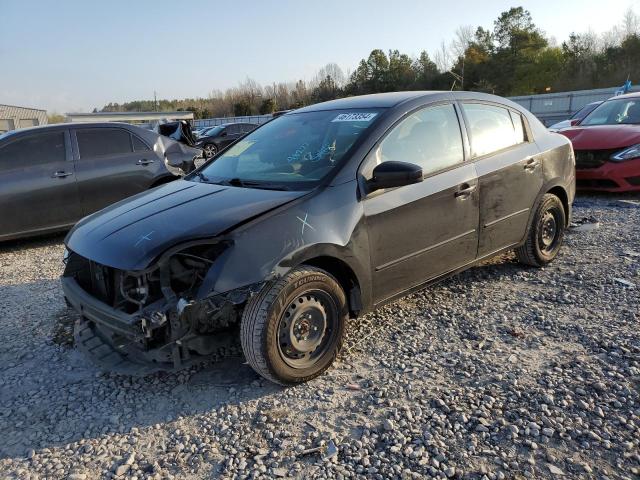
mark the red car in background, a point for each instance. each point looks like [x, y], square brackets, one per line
[607, 146]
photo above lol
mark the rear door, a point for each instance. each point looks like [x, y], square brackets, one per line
[111, 164]
[418, 232]
[509, 173]
[38, 189]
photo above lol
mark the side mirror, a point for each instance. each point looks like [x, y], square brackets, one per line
[394, 174]
[574, 121]
[223, 134]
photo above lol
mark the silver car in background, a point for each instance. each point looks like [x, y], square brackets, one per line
[52, 176]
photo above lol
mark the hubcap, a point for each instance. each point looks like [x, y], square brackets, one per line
[209, 151]
[548, 229]
[305, 329]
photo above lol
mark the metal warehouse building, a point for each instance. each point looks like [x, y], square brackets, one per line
[12, 117]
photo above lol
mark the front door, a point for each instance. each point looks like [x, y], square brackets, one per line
[418, 232]
[509, 174]
[111, 165]
[38, 189]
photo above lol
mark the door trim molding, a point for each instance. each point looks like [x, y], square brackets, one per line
[414, 254]
[506, 217]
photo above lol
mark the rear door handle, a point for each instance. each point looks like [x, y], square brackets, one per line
[464, 191]
[144, 161]
[61, 174]
[531, 164]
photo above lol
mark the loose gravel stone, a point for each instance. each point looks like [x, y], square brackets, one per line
[502, 372]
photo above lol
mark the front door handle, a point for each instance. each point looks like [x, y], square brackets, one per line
[465, 190]
[61, 174]
[531, 164]
[144, 161]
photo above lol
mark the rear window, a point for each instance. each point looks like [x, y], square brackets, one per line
[33, 150]
[139, 145]
[492, 128]
[101, 142]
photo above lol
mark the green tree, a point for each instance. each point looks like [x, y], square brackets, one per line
[242, 108]
[268, 105]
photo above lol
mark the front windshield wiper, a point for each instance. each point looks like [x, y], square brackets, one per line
[237, 182]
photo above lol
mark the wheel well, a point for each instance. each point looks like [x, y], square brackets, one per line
[346, 278]
[559, 192]
[163, 180]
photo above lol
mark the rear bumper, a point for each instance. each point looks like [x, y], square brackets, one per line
[611, 177]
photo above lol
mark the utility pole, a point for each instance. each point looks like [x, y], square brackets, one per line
[155, 101]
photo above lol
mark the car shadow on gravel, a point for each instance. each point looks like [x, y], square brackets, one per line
[23, 244]
[52, 396]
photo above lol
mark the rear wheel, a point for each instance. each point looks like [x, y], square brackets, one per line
[546, 233]
[292, 330]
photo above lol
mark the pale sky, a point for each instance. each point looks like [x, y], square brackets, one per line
[74, 55]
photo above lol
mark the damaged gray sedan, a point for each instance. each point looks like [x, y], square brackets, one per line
[318, 216]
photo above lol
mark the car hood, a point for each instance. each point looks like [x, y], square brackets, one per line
[130, 234]
[602, 137]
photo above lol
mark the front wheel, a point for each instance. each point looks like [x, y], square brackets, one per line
[292, 330]
[545, 234]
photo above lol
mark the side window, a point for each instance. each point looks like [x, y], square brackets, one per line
[233, 129]
[100, 142]
[430, 138]
[491, 128]
[33, 150]
[139, 145]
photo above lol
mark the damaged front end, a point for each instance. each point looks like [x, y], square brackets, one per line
[156, 318]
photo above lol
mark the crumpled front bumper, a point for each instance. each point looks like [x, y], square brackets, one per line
[118, 342]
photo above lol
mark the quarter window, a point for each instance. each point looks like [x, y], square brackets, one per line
[33, 150]
[430, 138]
[492, 128]
[139, 145]
[100, 142]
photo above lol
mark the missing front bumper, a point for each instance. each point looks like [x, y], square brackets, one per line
[135, 344]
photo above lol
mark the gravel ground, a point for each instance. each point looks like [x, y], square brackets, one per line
[501, 372]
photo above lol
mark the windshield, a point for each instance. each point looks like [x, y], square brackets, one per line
[615, 112]
[294, 151]
[584, 111]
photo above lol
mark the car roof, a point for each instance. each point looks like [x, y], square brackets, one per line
[373, 100]
[54, 126]
[393, 99]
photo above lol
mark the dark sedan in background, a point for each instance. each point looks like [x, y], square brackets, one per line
[52, 176]
[217, 138]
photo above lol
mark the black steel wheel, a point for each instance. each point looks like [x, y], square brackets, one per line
[209, 150]
[546, 233]
[307, 328]
[292, 330]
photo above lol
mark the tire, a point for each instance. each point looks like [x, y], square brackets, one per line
[545, 234]
[209, 150]
[304, 311]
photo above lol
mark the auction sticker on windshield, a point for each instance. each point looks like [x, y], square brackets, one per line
[354, 117]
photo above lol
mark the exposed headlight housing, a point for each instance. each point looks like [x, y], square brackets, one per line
[627, 154]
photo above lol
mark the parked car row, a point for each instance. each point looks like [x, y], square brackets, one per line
[214, 139]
